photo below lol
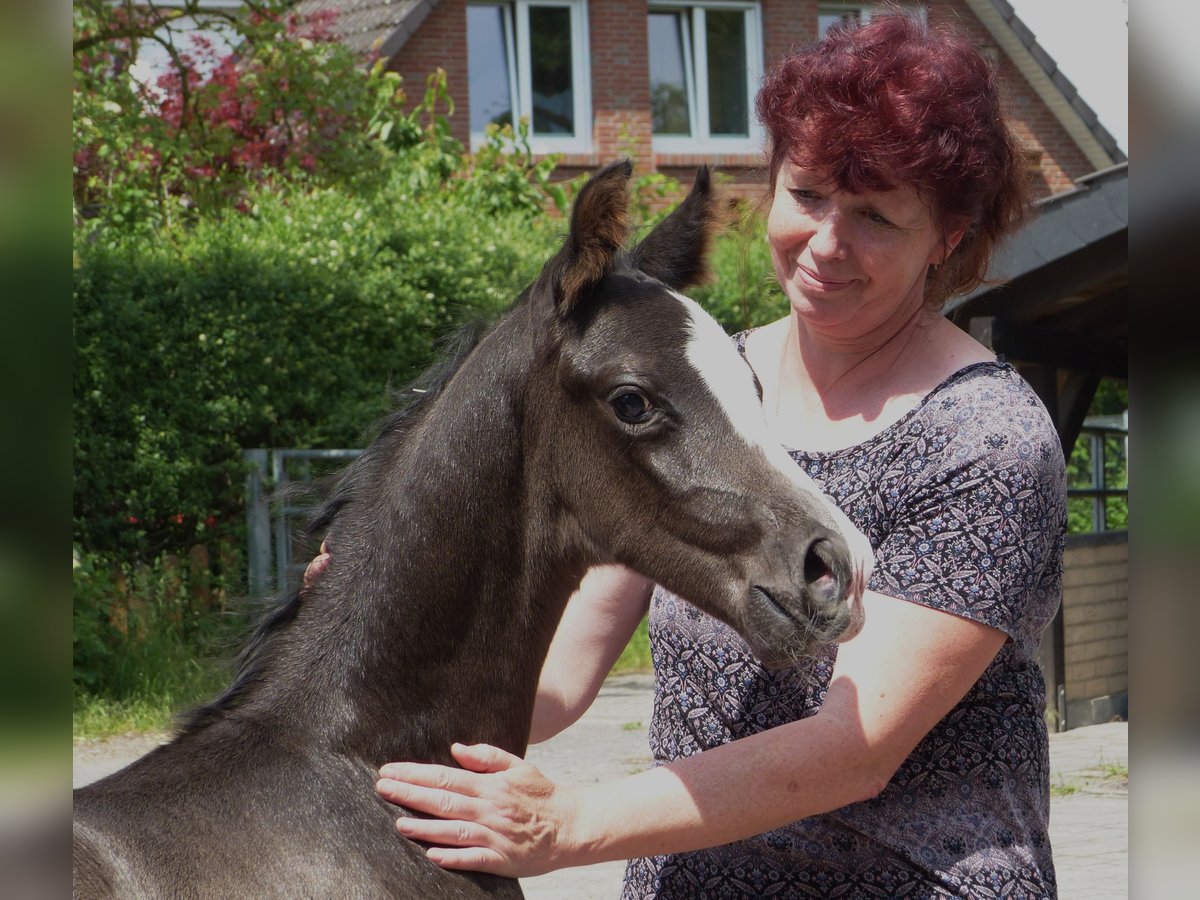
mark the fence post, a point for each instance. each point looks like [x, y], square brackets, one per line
[258, 524]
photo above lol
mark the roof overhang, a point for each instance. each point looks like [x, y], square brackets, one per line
[1063, 296]
[1048, 82]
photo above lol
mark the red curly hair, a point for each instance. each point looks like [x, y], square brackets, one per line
[899, 102]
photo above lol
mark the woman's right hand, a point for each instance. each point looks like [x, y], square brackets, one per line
[318, 565]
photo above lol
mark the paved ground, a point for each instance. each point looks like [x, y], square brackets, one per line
[1088, 818]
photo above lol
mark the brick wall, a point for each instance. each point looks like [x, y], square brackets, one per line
[440, 41]
[621, 94]
[1055, 160]
[620, 80]
[1096, 629]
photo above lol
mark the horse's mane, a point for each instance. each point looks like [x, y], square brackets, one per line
[410, 405]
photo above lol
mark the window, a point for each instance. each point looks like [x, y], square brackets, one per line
[830, 14]
[530, 58]
[1098, 476]
[705, 62]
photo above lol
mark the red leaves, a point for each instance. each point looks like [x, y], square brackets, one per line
[286, 98]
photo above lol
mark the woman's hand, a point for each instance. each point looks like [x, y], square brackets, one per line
[318, 565]
[500, 815]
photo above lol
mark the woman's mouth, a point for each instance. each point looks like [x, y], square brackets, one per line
[819, 282]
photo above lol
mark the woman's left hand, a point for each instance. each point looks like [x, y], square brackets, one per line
[497, 814]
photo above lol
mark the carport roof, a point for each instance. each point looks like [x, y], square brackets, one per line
[1064, 300]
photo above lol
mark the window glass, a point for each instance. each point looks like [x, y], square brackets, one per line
[668, 80]
[828, 19]
[488, 88]
[728, 114]
[550, 70]
[528, 60]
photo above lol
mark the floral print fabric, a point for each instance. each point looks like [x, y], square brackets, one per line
[964, 502]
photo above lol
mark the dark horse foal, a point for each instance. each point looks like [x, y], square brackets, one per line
[604, 418]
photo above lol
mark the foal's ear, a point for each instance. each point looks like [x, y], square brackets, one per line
[675, 251]
[599, 227]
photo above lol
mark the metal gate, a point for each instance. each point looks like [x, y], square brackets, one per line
[276, 552]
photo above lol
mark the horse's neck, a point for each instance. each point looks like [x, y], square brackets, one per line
[433, 620]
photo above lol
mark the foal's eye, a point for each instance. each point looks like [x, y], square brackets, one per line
[631, 405]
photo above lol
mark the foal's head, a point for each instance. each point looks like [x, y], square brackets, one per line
[661, 456]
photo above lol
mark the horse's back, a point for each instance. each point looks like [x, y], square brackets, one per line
[171, 825]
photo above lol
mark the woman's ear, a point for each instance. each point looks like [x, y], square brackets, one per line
[943, 250]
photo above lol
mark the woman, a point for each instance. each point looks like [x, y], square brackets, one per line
[912, 759]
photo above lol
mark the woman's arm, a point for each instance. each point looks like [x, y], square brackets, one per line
[599, 619]
[906, 669]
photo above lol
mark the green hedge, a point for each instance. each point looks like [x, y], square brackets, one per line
[279, 328]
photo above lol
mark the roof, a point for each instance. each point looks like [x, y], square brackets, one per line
[368, 26]
[1055, 89]
[1065, 296]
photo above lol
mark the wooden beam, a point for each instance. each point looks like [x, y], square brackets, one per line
[1074, 399]
[1087, 354]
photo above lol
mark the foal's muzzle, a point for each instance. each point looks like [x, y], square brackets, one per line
[818, 602]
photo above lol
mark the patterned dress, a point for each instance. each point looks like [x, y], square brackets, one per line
[964, 502]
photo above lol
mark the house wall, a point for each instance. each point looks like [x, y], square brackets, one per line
[440, 41]
[621, 94]
[1096, 629]
[1055, 159]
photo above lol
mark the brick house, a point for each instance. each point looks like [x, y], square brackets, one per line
[672, 83]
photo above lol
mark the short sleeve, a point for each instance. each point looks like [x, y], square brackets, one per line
[979, 507]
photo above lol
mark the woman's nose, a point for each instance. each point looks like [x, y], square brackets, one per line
[827, 239]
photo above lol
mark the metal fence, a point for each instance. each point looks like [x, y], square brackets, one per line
[276, 552]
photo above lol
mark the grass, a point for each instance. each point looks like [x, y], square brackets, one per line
[1102, 772]
[1064, 788]
[174, 688]
[94, 718]
[150, 708]
[636, 655]
[1115, 771]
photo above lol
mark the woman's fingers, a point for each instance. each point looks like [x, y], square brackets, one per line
[472, 859]
[484, 757]
[433, 801]
[461, 845]
[445, 832]
[431, 775]
[318, 565]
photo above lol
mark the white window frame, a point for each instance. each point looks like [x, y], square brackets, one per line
[515, 16]
[695, 63]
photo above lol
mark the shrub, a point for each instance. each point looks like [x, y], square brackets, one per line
[282, 327]
[743, 292]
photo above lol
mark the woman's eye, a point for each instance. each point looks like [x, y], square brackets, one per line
[631, 406]
[877, 218]
[804, 195]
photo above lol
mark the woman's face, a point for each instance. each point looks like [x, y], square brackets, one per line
[850, 264]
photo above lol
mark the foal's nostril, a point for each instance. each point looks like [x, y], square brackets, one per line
[820, 572]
